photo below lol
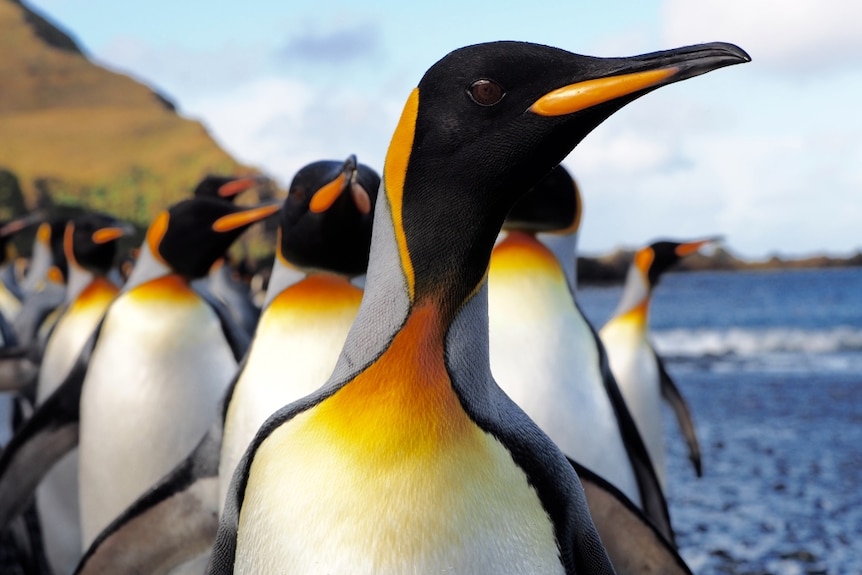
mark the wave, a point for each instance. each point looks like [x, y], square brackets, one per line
[834, 349]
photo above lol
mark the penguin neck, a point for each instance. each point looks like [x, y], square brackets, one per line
[78, 280]
[387, 306]
[283, 276]
[148, 267]
[636, 295]
[40, 262]
[565, 249]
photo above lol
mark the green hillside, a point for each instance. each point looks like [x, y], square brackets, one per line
[75, 133]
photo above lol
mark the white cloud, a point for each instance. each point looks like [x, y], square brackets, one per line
[281, 124]
[179, 71]
[765, 193]
[791, 36]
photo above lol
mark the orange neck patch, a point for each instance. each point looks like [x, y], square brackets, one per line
[168, 288]
[521, 253]
[99, 292]
[394, 174]
[403, 405]
[317, 293]
[155, 234]
[638, 314]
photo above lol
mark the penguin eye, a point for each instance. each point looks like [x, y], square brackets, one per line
[297, 195]
[486, 92]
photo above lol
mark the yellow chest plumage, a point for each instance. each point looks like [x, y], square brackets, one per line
[390, 475]
[294, 351]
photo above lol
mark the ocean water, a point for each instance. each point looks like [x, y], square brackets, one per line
[771, 365]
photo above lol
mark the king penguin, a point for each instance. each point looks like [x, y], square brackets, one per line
[43, 289]
[548, 358]
[324, 240]
[410, 458]
[90, 246]
[43, 286]
[162, 360]
[220, 281]
[641, 374]
[324, 237]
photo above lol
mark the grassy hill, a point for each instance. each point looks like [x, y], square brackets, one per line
[76, 133]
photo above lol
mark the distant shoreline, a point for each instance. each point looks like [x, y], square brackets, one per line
[612, 268]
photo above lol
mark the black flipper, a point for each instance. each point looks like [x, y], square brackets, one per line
[671, 394]
[174, 522]
[43, 440]
[633, 543]
[24, 539]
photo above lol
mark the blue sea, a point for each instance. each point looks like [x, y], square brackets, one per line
[771, 364]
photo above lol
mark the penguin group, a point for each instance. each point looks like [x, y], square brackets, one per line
[419, 392]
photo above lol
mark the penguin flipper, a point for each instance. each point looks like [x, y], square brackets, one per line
[652, 497]
[671, 394]
[633, 543]
[172, 523]
[42, 440]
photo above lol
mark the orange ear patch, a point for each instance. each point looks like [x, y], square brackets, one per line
[394, 174]
[644, 258]
[157, 232]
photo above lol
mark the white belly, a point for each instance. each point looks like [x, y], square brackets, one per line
[63, 348]
[634, 366]
[544, 357]
[290, 357]
[152, 389]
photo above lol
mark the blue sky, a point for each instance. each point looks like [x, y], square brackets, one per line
[768, 154]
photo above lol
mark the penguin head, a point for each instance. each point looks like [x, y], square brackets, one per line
[225, 187]
[485, 124]
[90, 241]
[192, 234]
[658, 257]
[325, 222]
[553, 206]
